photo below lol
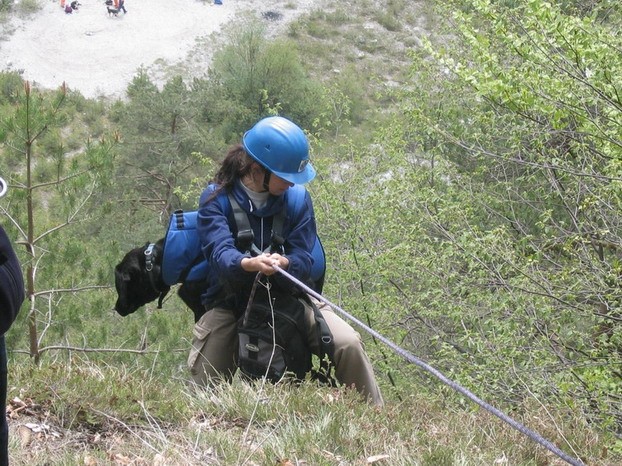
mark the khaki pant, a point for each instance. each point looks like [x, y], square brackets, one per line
[215, 348]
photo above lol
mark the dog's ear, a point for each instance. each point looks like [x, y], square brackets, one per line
[132, 281]
[127, 282]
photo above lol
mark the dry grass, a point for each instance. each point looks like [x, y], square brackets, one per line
[80, 412]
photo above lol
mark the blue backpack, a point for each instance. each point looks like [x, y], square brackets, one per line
[182, 258]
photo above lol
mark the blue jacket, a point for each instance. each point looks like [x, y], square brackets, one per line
[228, 285]
[11, 284]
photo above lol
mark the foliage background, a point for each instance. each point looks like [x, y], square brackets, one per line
[468, 198]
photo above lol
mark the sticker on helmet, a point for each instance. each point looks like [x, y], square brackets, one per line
[303, 164]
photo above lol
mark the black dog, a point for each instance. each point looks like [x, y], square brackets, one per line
[112, 11]
[138, 280]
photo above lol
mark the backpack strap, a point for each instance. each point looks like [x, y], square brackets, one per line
[326, 347]
[295, 201]
[245, 237]
[293, 206]
[277, 229]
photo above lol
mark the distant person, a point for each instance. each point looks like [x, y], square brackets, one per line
[11, 299]
[74, 5]
[122, 6]
[217, 2]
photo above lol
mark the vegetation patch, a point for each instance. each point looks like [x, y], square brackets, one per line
[468, 201]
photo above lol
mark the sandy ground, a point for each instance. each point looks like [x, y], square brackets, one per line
[99, 54]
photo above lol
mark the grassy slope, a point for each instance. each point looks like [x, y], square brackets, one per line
[96, 409]
[86, 413]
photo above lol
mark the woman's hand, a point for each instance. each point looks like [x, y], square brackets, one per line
[265, 263]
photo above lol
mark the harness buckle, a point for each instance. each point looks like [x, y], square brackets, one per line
[149, 257]
[244, 240]
[277, 244]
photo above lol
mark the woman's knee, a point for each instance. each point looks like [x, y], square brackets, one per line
[347, 343]
[212, 354]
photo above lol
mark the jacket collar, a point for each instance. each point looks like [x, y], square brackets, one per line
[272, 207]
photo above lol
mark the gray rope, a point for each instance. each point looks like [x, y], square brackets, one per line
[413, 359]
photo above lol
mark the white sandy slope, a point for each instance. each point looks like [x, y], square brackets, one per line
[98, 54]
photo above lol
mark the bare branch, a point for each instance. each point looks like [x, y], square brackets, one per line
[71, 218]
[71, 290]
[99, 350]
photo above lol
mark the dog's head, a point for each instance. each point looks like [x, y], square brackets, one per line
[137, 286]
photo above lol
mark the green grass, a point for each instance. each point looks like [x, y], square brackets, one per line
[98, 413]
[102, 408]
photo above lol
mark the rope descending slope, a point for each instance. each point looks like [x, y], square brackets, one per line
[413, 359]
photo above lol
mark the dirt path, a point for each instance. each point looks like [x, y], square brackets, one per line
[98, 54]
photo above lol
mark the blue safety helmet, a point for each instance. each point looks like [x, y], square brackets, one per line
[281, 147]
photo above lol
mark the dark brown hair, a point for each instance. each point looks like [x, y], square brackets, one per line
[237, 164]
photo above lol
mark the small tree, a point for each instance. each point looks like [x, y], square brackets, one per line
[52, 190]
[257, 75]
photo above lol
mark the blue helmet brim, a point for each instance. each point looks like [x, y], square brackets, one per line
[302, 177]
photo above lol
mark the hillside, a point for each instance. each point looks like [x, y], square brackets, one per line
[463, 216]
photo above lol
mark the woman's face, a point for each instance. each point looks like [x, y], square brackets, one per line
[255, 181]
[278, 185]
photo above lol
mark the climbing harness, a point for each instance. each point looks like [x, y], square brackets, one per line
[182, 257]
